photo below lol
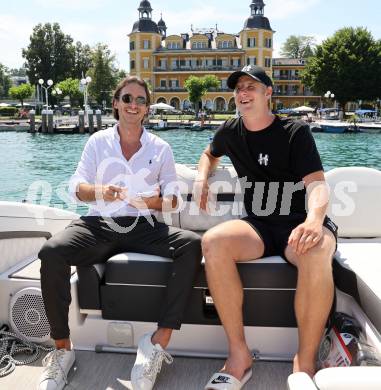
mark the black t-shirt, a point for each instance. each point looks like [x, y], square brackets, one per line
[274, 160]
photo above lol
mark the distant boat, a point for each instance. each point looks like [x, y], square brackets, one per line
[22, 127]
[334, 127]
[369, 127]
[315, 127]
[197, 127]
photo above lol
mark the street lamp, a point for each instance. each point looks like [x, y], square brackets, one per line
[50, 83]
[56, 91]
[330, 95]
[85, 82]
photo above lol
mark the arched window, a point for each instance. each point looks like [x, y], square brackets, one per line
[209, 105]
[231, 106]
[175, 102]
[219, 104]
[161, 100]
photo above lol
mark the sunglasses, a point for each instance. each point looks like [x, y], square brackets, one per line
[128, 99]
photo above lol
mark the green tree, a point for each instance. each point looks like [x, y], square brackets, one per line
[103, 73]
[348, 64]
[22, 92]
[298, 46]
[122, 74]
[70, 87]
[5, 81]
[21, 72]
[197, 87]
[50, 54]
[82, 60]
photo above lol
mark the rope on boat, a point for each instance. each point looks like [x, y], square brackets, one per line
[12, 345]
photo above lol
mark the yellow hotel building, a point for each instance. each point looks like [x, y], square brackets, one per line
[167, 61]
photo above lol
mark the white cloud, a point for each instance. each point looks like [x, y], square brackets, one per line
[202, 16]
[318, 37]
[91, 28]
[283, 9]
[277, 47]
[119, 44]
[14, 36]
[72, 5]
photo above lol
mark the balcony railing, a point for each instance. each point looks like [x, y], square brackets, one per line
[170, 89]
[292, 93]
[179, 89]
[210, 68]
[286, 77]
[224, 89]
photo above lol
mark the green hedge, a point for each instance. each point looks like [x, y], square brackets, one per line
[8, 111]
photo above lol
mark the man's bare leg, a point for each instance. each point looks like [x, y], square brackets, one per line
[162, 337]
[313, 299]
[222, 246]
[63, 344]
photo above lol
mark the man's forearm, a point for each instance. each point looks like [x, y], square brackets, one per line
[166, 203]
[318, 197]
[88, 192]
[206, 165]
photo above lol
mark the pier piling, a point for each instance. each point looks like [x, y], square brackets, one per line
[32, 121]
[81, 121]
[44, 127]
[50, 122]
[90, 116]
[98, 114]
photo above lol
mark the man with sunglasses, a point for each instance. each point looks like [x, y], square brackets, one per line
[279, 159]
[125, 176]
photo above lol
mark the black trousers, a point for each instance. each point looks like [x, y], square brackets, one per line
[91, 240]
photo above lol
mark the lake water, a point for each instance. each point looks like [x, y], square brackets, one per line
[37, 166]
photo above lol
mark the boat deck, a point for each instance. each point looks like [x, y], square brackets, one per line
[111, 371]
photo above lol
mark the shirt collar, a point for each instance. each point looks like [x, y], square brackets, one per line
[144, 138]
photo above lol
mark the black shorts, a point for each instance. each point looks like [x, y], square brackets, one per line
[275, 233]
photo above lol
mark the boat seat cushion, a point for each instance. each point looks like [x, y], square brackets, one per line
[224, 189]
[268, 283]
[355, 201]
[357, 271]
[136, 268]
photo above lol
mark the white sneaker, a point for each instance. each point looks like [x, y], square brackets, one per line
[148, 363]
[57, 365]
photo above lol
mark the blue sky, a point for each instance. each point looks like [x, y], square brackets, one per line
[92, 21]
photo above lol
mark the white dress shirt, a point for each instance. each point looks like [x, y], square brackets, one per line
[102, 162]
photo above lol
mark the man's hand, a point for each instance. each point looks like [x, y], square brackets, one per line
[305, 236]
[144, 203]
[200, 193]
[110, 193]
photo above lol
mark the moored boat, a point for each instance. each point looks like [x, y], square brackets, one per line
[369, 127]
[334, 127]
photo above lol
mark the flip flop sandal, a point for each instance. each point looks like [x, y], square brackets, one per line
[222, 381]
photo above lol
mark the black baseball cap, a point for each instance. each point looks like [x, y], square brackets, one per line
[255, 72]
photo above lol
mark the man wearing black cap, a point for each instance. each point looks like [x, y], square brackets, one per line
[278, 157]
